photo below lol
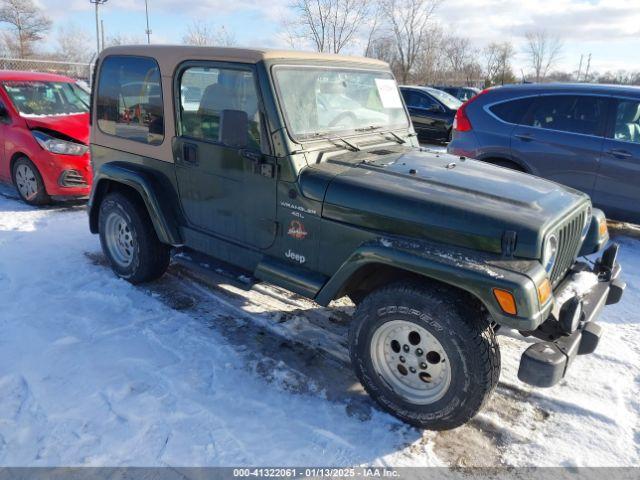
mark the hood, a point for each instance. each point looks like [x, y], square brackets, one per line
[443, 198]
[75, 126]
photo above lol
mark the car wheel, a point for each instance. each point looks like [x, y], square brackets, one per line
[424, 355]
[28, 182]
[129, 240]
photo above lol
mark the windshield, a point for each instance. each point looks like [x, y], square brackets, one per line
[319, 102]
[47, 98]
[447, 99]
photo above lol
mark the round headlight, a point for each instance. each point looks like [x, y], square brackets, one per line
[550, 252]
[587, 223]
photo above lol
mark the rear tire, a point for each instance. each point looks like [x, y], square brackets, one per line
[129, 240]
[28, 182]
[445, 361]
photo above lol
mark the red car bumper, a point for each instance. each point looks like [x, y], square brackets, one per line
[65, 175]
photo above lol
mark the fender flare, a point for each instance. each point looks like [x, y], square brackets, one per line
[154, 190]
[473, 276]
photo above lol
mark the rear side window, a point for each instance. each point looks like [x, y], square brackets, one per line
[129, 103]
[512, 111]
[568, 113]
[418, 100]
[206, 92]
[627, 121]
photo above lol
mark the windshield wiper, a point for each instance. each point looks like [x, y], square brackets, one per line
[398, 138]
[371, 128]
[352, 146]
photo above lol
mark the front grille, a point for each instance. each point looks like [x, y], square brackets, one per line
[72, 178]
[568, 234]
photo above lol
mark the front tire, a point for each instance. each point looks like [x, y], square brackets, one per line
[424, 354]
[129, 240]
[29, 183]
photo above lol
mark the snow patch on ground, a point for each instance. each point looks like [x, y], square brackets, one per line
[95, 371]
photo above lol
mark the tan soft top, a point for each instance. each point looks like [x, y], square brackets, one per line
[169, 56]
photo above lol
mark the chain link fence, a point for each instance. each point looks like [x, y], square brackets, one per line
[78, 71]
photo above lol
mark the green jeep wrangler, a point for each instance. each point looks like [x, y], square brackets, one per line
[304, 170]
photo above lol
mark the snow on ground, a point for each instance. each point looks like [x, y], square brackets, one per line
[95, 371]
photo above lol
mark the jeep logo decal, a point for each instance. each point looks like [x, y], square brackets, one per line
[296, 257]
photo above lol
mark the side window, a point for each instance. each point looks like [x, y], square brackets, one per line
[568, 113]
[512, 111]
[409, 97]
[425, 101]
[627, 121]
[206, 92]
[129, 103]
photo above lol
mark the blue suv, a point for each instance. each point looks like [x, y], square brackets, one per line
[583, 136]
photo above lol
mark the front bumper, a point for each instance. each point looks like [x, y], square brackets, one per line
[55, 170]
[545, 363]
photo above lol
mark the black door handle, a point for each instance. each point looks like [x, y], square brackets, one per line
[190, 153]
[525, 137]
[619, 153]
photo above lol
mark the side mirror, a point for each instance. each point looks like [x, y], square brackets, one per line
[4, 114]
[234, 128]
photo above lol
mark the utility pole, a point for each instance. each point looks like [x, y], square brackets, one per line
[148, 30]
[586, 73]
[97, 3]
[102, 31]
[580, 67]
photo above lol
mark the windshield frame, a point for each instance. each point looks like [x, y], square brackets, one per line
[333, 134]
[74, 88]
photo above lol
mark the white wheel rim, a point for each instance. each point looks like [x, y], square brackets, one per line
[119, 239]
[26, 181]
[411, 361]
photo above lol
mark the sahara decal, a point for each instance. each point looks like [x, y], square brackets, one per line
[297, 230]
[298, 208]
[296, 257]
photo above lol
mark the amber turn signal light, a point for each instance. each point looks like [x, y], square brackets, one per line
[506, 301]
[544, 291]
[602, 229]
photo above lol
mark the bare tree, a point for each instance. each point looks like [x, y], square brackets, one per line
[202, 33]
[72, 44]
[543, 51]
[120, 39]
[28, 25]
[410, 27]
[330, 25]
[498, 58]
[460, 58]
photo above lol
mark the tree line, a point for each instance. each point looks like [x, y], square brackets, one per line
[404, 33]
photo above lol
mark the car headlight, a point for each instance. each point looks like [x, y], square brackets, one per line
[550, 252]
[587, 223]
[56, 145]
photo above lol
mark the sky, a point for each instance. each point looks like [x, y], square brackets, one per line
[608, 29]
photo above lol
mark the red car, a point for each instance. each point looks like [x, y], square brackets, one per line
[44, 136]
